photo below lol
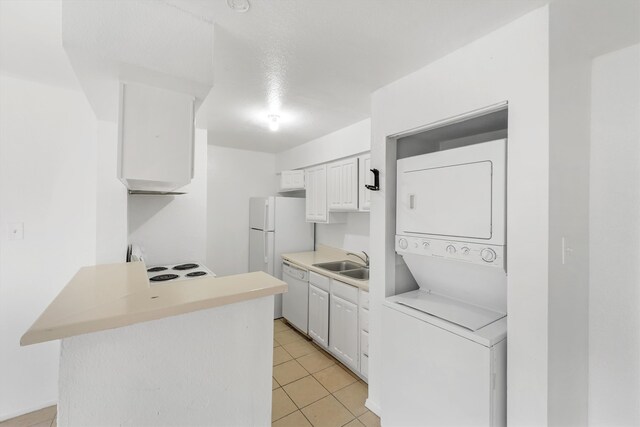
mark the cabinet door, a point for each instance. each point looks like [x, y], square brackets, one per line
[366, 178]
[156, 137]
[321, 193]
[319, 315]
[297, 179]
[310, 199]
[316, 194]
[349, 185]
[343, 331]
[334, 186]
[285, 180]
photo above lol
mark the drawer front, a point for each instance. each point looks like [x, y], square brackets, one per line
[344, 291]
[319, 281]
[364, 319]
[364, 299]
[364, 343]
[364, 366]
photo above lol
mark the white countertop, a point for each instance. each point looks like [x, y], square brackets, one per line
[306, 260]
[109, 296]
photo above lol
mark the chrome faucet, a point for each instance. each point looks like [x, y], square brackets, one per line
[366, 259]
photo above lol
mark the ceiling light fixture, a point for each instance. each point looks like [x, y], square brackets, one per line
[240, 6]
[274, 122]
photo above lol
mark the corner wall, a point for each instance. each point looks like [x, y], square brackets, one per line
[48, 182]
[509, 64]
[233, 177]
[569, 128]
[345, 142]
[352, 235]
[614, 293]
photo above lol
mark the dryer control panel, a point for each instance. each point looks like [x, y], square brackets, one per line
[475, 253]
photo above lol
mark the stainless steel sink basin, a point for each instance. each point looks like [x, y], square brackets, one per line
[338, 266]
[358, 274]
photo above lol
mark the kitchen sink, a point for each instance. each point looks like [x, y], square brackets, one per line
[338, 266]
[358, 274]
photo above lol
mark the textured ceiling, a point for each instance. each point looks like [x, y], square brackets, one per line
[144, 33]
[315, 63]
[31, 42]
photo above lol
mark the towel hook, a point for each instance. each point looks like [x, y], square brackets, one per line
[376, 181]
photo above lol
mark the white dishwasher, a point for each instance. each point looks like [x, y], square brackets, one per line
[295, 302]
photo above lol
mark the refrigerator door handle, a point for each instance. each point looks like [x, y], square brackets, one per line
[264, 247]
[266, 215]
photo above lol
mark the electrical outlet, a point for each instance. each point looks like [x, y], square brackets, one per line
[16, 231]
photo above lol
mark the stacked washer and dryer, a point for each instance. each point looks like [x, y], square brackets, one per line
[445, 344]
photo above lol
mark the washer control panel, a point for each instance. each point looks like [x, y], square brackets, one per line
[475, 253]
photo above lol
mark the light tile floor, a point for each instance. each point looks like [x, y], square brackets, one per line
[310, 388]
[45, 417]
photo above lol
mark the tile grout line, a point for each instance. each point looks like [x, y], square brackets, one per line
[332, 394]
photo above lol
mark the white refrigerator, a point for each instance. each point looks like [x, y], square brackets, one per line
[277, 225]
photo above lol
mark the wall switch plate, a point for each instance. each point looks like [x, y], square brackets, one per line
[16, 231]
[566, 251]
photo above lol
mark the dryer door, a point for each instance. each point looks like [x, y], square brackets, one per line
[456, 194]
[450, 201]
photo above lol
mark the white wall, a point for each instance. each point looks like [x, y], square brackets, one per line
[569, 129]
[47, 181]
[508, 64]
[111, 215]
[205, 368]
[345, 142]
[352, 235]
[233, 177]
[614, 294]
[173, 229]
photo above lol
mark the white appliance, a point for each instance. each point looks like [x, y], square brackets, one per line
[437, 373]
[451, 204]
[175, 272]
[277, 225]
[295, 302]
[444, 345]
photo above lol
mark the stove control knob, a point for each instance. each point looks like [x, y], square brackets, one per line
[465, 250]
[415, 245]
[451, 249]
[425, 245]
[403, 243]
[488, 255]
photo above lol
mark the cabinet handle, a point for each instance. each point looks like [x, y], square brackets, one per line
[412, 201]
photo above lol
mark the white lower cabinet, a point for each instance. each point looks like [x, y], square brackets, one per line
[343, 331]
[339, 321]
[319, 315]
[363, 306]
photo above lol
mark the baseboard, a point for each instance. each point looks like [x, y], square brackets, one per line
[4, 417]
[373, 407]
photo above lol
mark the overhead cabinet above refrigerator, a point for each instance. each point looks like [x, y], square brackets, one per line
[156, 131]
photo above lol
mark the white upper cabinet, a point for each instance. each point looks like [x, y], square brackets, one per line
[316, 196]
[292, 180]
[343, 185]
[366, 178]
[156, 131]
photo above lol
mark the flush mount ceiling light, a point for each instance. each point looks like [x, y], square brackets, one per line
[274, 122]
[240, 6]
